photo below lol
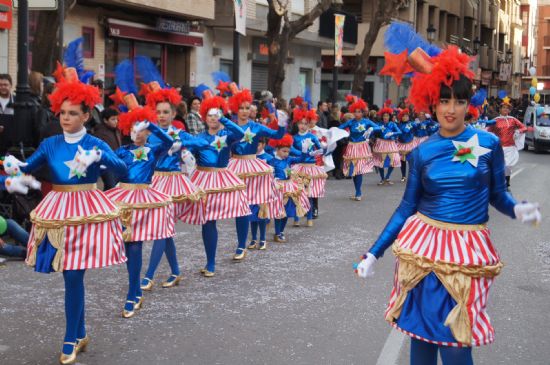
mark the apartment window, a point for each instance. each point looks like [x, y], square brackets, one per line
[88, 35]
[227, 67]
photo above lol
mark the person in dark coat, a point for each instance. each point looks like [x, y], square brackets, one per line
[108, 132]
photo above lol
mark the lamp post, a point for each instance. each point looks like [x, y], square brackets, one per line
[431, 33]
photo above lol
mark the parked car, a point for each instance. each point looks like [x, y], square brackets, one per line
[538, 135]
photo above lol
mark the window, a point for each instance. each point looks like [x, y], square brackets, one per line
[88, 35]
[227, 67]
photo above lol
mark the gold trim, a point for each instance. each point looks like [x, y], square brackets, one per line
[137, 206]
[73, 221]
[350, 142]
[167, 173]
[127, 186]
[227, 189]
[73, 188]
[195, 197]
[450, 226]
[244, 157]
[247, 175]
[211, 169]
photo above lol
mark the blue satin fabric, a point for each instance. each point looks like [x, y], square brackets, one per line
[3, 179]
[281, 167]
[265, 156]
[254, 131]
[421, 128]
[425, 310]
[173, 163]
[54, 151]
[297, 144]
[433, 127]
[141, 171]
[209, 155]
[450, 191]
[357, 128]
[386, 129]
[45, 253]
[407, 132]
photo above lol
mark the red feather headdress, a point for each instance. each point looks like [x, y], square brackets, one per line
[169, 95]
[215, 102]
[286, 141]
[69, 87]
[127, 120]
[298, 101]
[402, 113]
[473, 111]
[351, 98]
[238, 99]
[359, 104]
[385, 110]
[311, 115]
[298, 115]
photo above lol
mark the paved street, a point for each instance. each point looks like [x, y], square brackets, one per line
[296, 303]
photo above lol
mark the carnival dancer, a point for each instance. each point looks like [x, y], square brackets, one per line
[358, 158]
[312, 175]
[294, 196]
[421, 125]
[170, 180]
[146, 213]
[507, 128]
[446, 261]
[256, 173]
[75, 227]
[405, 141]
[225, 191]
[386, 152]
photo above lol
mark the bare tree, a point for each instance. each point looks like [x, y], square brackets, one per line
[386, 10]
[281, 31]
[46, 48]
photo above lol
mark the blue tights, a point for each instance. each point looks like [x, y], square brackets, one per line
[387, 176]
[357, 182]
[133, 253]
[424, 353]
[242, 231]
[167, 246]
[280, 225]
[210, 240]
[74, 307]
[262, 225]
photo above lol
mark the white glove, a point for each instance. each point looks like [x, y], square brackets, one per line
[21, 184]
[367, 133]
[12, 166]
[188, 161]
[138, 127]
[365, 268]
[86, 158]
[176, 146]
[305, 146]
[528, 213]
[316, 153]
[283, 122]
[389, 134]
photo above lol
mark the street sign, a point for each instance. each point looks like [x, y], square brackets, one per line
[38, 4]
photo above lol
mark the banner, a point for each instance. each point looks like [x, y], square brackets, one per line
[339, 20]
[240, 16]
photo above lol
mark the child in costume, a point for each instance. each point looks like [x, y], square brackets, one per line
[358, 158]
[256, 173]
[225, 191]
[386, 151]
[294, 196]
[421, 126]
[405, 141]
[146, 213]
[170, 180]
[446, 261]
[313, 176]
[75, 227]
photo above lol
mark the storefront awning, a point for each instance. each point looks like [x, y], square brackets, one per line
[124, 29]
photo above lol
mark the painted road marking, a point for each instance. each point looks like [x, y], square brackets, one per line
[392, 348]
[515, 173]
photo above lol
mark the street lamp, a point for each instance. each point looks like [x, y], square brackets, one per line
[509, 55]
[431, 33]
[477, 43]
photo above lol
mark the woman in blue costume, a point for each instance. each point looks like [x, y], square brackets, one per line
[358, 158]
[405, 141]
[421, 126]
[256, 173]
[386, 152]
[446, 262]
[225, 191]
[75, 227]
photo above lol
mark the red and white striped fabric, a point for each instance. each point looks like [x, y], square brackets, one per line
[289, 187]
[225, 193]
[147, 224]
[315, 177]
[259, 188]
[383, 148]
[463, 247]
[88, 245]
[361, 156]
[276, 206]
[405, 148]
[179, 186]
[420, 140]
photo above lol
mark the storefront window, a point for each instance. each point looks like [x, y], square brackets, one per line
[116, 50]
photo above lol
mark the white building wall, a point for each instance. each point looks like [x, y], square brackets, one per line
[4, 51]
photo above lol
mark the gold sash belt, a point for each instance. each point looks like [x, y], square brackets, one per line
[127, 186]
[74, 187]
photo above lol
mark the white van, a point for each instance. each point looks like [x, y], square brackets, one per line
[538, 135]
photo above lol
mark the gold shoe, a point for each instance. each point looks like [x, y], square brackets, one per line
[279, 239]
[355, 198]
[207, 274]
[148, 286]
[129, 314]
[262, 247]
[388, 182]
[310, 223]
[139, 303]
[253, 245]
[170, 284]
[203, 270]
[296, 224]
[240, 256]
[65, 359]
[82, 344]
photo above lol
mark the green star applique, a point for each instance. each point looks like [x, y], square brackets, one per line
[141, 154]
[219, 142]
[248, 136]
[469, 151]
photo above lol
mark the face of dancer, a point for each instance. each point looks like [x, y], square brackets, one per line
[358, 114]
[261, 146]
[450, 114]
[303, 126]
[213, 121]
[72, 117]
[141, 137]
[504, 110]
[405, 118]
[283, 152]
[244, 112]
[253, 112]
[386, 118]
[165, 114]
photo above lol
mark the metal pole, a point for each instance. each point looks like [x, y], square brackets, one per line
[236, 58]
[60, 34]
[334, 77]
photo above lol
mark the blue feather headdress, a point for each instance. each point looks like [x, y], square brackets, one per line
[72, 57]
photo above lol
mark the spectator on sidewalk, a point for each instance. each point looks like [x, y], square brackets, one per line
[193, 120]
[6, 95]
[108, 132]
[10, 228]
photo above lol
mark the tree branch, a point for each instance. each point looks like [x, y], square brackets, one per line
[306, 20]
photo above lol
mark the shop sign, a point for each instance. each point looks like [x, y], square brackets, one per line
[5, 14]
[38, 4]
[260, 50]
[176, 26]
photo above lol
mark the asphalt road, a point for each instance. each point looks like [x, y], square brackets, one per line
[296, 303]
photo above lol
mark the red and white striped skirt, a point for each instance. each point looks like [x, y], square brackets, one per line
[291, 189]
[276, 207]
[257, 175]
[82, 223]
[186, 197]
[386, 148]
[405, 148]
[359, 154]
[314, 178]
[146, 213]
[464, 250]
[225, 193]
[420, 140]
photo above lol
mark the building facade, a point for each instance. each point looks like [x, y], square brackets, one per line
[541, 57]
